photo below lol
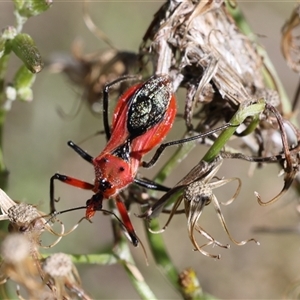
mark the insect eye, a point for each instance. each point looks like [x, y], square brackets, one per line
[121, 169]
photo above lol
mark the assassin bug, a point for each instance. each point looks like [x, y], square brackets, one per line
[142, 118]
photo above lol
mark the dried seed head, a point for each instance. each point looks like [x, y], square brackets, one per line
[198, 191]
[20, 265]
[15, 248]
[27, 219]
[58, 265]
[207, 54]
[22, 214]
[60, 270]
[197, 194]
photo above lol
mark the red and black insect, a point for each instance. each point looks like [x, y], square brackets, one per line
[142, 118]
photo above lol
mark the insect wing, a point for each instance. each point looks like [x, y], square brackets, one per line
[149, 104]
[119, 133]
[146, 111]
[154, 136]
[123, 102]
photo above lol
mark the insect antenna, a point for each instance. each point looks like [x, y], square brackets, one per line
[63, 233]
[68, 210]
[104, 211]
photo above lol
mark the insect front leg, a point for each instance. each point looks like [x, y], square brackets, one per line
[68, 180]
[149, 184]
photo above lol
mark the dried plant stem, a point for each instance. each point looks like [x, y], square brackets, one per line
[270, 75]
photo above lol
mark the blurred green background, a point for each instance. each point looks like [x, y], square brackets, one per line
[35, 148]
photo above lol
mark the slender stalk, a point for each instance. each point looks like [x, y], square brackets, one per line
[123, 253]
[243, 112]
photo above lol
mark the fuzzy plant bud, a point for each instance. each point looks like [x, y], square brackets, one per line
[58, 265]
[7, 33]
[60, 270]
[190, 284]
[29, 8]
[24, 47]
[15, 248]
[23, 82]
[11, 95]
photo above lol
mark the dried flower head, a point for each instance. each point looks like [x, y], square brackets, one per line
[18, 264]
[199, 44]
[20, 249]
[27, 219]
[15, 248]
[197, 193]
[63, 276]
[58, 265]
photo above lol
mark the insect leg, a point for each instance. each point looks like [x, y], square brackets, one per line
[126, 221]
[151, 185]
[68, 180]
[162, 147]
